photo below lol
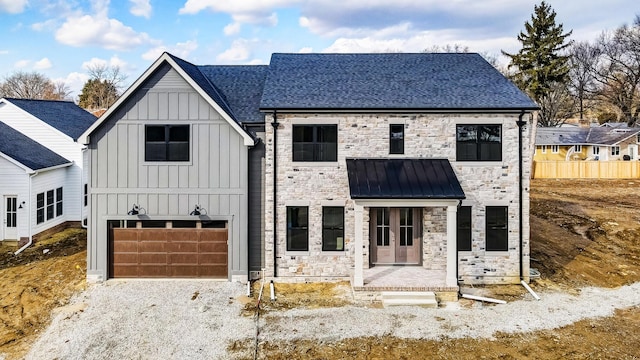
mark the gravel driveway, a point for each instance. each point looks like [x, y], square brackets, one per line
[199, 319]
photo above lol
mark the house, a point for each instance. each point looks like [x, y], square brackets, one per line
[607, 142]
[315, 167]
[379, 160]
[43, 182]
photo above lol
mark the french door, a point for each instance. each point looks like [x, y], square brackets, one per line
[395, 235]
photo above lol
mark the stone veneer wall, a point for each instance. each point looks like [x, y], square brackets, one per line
[367, 136]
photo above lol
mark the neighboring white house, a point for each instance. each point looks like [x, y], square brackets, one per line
[43, 182]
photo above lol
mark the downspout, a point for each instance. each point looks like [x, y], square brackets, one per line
[82, 183]
[520, 124]
[28, 216]
[275, 125]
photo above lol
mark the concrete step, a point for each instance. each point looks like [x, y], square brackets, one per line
[409, 298]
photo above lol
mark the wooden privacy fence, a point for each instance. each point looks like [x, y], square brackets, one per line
[586, 170]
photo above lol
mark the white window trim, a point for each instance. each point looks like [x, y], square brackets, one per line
[615, 150]
[555, 149]
[543, 148]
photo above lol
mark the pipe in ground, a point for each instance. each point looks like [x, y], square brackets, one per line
[482, 298]
[273, 291]
[535, 296]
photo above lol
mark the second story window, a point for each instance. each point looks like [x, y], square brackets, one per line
[315, 142]
[396, 139]
[479, 143]
[166, 143]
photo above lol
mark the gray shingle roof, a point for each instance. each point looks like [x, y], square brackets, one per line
[388, 81]
[583, 136]
[194, 73]
[241, 87]
[403, 179]
[65, 116]
[27, 151]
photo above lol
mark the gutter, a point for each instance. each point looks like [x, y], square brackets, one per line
[29, 215]
[275, 125]
[520, 124]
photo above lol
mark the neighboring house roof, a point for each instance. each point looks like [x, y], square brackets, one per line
[395, 81]
[65, 116]
[584, 136]
[241, 87]
[27, 151]
[403, 179]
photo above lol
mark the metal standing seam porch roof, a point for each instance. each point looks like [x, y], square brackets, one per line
[403, 179]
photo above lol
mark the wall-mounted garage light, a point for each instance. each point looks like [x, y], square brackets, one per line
[21, 205]
[135, 210]
[196, 211]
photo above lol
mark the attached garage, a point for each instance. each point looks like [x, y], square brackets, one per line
[168, 249]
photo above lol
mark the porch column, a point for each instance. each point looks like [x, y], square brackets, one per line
[358, 274]
[452, 245]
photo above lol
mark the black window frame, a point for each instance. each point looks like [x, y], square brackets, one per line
[314, 142]
[50, 207]
[497, 228]
[464, 226]
[297, 225]
[40, 205]
[480, 147]
[331, 232]
[396, 139]
[173, 147]
[59, 203]
[86, 194]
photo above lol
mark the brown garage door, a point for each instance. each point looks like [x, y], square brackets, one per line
[164, 253]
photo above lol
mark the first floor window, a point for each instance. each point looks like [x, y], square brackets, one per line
[58, 201]
[577, 148]
[479, 142]
[555, 149]
[40, 208]
[297, 228]
[544, 149]
[615, 150]
[86, 194]
[463, 230]
[396, 139]
[50, 204]
[166, 143]
[596, 150]
[333, 228]
[497, 229]
[315, 142]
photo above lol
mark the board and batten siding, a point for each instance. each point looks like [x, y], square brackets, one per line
[215, 177]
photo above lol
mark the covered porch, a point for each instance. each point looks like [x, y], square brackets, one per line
[427, 184]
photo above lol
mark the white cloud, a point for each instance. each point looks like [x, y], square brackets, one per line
[42, 64]
[258, 12]
[141, 8]
[239, 52]
[181, 50]
[232, 29]
[48, 25]
[115, 61]
[75, 81]
[99, 30]
[13, 6]
[305, 50]
[21, 64]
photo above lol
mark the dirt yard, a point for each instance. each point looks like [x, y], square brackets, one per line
[584, 233]
[34, 283]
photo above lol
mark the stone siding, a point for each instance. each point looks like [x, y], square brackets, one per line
[367, 136]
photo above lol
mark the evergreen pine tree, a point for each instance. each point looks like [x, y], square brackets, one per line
[539, 64]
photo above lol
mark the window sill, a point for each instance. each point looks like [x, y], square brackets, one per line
[479, 163]
[496, 253]
[314, 163]
[333, 253]
[296, 253]
[165, 163]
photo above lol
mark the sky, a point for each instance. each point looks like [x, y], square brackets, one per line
[62, 39]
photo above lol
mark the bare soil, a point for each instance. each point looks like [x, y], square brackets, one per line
[35, 282]
[583, 233]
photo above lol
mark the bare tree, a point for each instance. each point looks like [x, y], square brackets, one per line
[582, 60]
[556, 105]
[33, 85]
[617, 71]
[103, 87]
